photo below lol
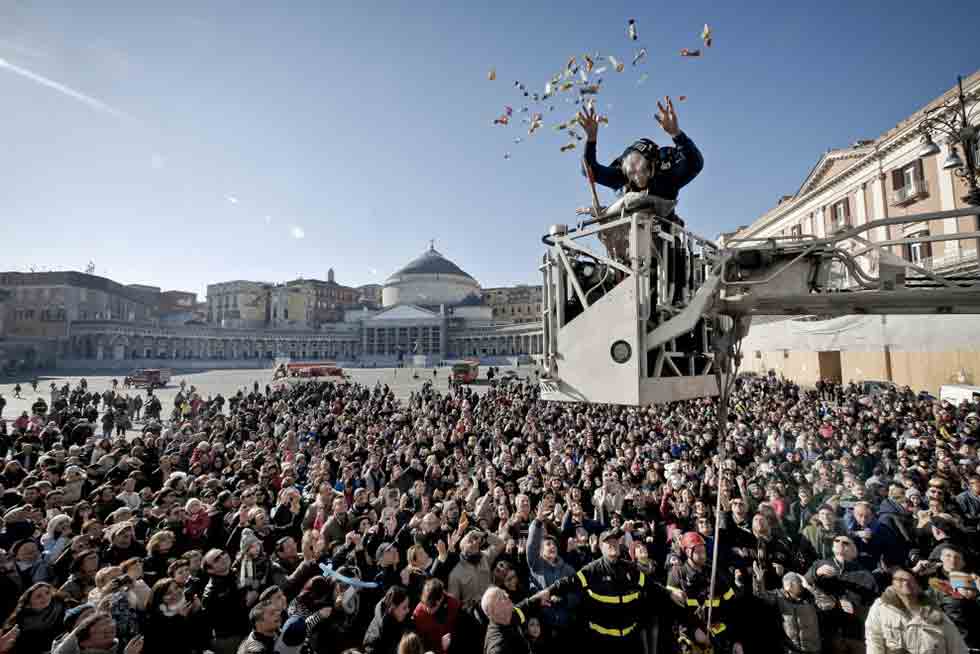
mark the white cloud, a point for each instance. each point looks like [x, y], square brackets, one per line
[297, 232]
[373, 271]
[231, 199]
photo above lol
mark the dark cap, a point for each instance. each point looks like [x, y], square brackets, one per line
[610, 533]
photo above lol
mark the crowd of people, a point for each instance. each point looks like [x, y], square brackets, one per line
[323, 517]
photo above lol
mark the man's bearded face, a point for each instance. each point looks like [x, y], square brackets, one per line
[637, 170]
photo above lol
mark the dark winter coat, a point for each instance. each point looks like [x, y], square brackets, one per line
[384, 633]
[800, 618]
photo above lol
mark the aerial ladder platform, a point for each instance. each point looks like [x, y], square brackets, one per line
[659, 318]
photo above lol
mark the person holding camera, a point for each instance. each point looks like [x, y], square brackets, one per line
[845, 590]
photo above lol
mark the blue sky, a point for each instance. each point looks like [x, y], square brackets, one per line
[226, 130]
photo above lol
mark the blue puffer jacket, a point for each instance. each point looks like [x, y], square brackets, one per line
[544, 574]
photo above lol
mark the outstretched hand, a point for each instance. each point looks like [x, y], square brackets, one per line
[589, 121]
[667, 117]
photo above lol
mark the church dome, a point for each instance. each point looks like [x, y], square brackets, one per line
[431, 262]
[429, 279]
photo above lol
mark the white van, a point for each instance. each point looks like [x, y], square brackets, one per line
[956, 393]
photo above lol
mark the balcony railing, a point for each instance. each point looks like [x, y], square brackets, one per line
[910, 192]
[960, 259]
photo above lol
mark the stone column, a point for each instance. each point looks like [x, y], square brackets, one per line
[947, 202]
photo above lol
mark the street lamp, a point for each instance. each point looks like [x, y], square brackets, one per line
[953, 119]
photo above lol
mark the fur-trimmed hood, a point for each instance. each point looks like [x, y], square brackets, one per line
[928, 609]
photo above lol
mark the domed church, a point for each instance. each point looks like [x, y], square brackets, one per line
[431, 280]
[434, 309]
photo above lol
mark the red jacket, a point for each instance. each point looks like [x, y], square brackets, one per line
[430, 629]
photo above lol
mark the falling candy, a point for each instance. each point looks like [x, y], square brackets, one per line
[503, 120]
[588, 63]
[690, 53]
[681, 98]
[706, 36]
[589, 90]
[583, 75]
[492, 75]
[517, 140]
[631, 30]
[507, 155]
[639, 56]
[600, 70]
[509, 111]
[566, 85]
[566, 148]
[537, 120]
[618, 65]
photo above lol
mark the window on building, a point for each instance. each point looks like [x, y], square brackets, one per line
[796, 231]
[839, 216]
[908, 182]
[918, 253]
[908, 175]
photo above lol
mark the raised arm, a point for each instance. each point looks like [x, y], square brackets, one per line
[605, 175]
[535, 536]
[687, 161]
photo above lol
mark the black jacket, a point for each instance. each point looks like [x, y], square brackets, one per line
[224, 606]
[384, 633]
[505, 639]
[614, 597]
[673, 168]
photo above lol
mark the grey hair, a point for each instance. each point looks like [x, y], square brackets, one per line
[792, 576]
[489, 598]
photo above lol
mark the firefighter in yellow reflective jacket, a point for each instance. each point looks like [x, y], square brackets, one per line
[693, 577]
[617, 600]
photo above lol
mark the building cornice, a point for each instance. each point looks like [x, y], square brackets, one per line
[868, 155]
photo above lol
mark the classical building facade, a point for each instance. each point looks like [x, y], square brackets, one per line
[880, 178]
[520, 304]
[874, 179]
[297, 304]
[431, 308]
[239, 304]
[44, 305]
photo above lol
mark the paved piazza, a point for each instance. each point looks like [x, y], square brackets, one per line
[228, 382]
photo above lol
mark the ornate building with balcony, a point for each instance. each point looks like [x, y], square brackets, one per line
[848, 187]
[880, 178]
